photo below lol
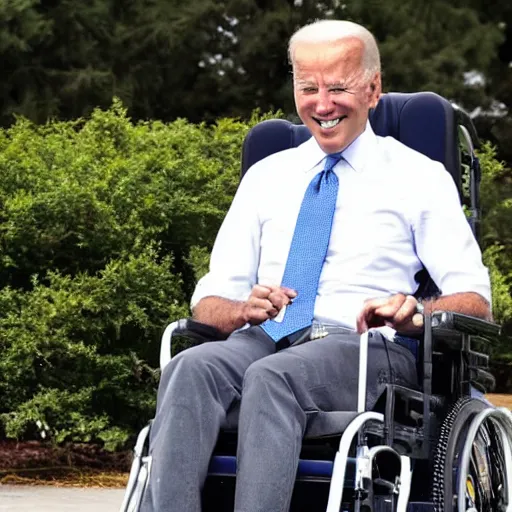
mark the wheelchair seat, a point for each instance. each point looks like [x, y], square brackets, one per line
[417, 431]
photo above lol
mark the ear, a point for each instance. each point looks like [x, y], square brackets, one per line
[375, 90]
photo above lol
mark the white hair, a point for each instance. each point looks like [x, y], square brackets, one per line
[331, 31]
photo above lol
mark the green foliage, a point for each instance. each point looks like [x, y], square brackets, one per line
[496, 191]
[199, 259]
[205, 59]
[104, 227]
[501, 284]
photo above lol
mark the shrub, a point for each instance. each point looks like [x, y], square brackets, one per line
[496, 192]
[104, 226]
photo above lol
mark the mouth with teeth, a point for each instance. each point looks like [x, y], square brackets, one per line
[331, 123]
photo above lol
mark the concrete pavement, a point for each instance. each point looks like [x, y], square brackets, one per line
[23, 498]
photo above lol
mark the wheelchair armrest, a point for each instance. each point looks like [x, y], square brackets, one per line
[189, 328]
[198, 331]
[450, 331]
[456, 332]
[464, 324]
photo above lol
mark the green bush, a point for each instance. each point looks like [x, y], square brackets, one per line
[104, 226]
[496, 191]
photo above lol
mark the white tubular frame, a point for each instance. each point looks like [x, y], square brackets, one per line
[364, 470]
[165, 346]
[138, 475]
[405, 484]
[135, 469]
[502, 418]
[364, 456]
[340, 462]
[363, 369]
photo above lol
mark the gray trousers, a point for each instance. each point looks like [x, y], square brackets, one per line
[274, 398]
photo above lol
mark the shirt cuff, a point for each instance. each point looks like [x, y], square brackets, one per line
[231, 289]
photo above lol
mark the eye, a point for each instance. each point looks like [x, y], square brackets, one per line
[338, 90]
[309, 90]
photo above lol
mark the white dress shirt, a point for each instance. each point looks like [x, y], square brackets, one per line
[396, 212]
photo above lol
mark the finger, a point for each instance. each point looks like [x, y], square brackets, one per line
[363, 320]
[391, 307]
[288, 292]
[281, 298]
[367, 313]
[257, 303]
[375, 311]
[417, 320]
[412, 325]
[406, 311]
[371, 305]
[261, 291]
[257, 316]
[278, 300]
[369, 322]
[364, 315]
[361, 324]
[273, 313]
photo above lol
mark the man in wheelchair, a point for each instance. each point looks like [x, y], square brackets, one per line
[322, 243]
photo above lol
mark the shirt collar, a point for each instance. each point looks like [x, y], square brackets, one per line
[356, 154]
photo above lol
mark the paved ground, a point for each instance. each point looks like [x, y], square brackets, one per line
[18, 498]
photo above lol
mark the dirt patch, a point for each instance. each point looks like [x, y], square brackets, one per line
[80, 465]
[71, 477]
[500, 400]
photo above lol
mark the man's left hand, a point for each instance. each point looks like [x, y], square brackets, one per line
[398, 311]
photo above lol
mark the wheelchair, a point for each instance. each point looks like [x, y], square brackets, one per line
[441, 447]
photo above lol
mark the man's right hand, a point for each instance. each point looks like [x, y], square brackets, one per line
[228, 315]
[265, 302]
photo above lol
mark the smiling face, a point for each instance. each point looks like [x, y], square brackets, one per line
[332, 94]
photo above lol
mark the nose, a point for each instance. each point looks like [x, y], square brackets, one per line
[324, 104]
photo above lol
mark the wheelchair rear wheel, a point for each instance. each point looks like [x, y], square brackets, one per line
[485, 480]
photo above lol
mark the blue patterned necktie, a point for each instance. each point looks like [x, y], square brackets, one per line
[307, 251]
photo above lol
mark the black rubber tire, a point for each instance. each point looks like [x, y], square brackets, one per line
[447, 455]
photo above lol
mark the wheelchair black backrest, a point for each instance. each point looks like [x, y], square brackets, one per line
[423, 121]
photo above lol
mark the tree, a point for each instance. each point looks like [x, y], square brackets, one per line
[203, 59]
[494, 119]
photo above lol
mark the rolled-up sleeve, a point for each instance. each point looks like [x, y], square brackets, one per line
[235, 256]
[444, 240]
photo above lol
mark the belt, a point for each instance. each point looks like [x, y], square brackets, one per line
[313, 332]
[318, 330]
